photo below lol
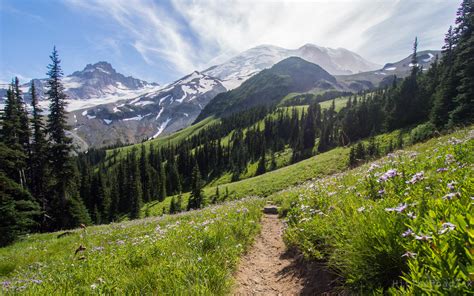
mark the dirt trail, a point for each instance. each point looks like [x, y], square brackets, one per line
[269, 269]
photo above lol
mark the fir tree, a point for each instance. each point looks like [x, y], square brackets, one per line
[464, 101]
[66, 209]
[39, 148]
[135, 186]
[196, 198]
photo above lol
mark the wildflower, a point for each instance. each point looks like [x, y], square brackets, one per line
[6, 284]
[451, 195]
[454, 141]
[449, 158]
[441, 170]
[361, 209]
[451, 185]
[199, 259]
[423, 237]
[409, 232]
[372, 167]
[387, 175]
[411, 215]
[381, 192]
[120, 242]
[445, 227]
[409, 254]
[416, 177]
[98, 249]
[400, 208]
[93, 286]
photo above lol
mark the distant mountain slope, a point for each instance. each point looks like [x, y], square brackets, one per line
[250, 62]
[270, 86]
[385, 75]
[163, 111]
[95, 84]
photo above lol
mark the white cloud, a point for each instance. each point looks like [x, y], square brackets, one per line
[189, 35]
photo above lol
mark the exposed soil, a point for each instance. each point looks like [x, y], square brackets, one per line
[270, 269]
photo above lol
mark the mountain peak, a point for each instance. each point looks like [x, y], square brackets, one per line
[101, 66]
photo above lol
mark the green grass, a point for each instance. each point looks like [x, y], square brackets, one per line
[324, 164]
[172, 255]
[339, 103]
[404, 232]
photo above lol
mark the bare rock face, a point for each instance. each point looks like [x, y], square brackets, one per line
[163, 111]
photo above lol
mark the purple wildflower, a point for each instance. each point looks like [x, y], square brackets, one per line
[441, 170]
[445, 227]
[372, 167]
[423, 237]
[387, 175]
[451, 185]
[98, 249]
[120, 242]
[37, 281]
[449, 158]
[381, 192]
[400, 208]
[409, 254]
[416, 177]
[409, 232]
[6, 284]
[451, 195]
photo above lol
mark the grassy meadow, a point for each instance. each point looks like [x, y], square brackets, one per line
[170, 255]
[402, 225]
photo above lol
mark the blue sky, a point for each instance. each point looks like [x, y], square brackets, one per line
[162, 40]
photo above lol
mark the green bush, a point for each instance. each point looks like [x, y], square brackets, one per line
[422, 133]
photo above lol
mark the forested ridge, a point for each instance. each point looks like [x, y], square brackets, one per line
[45, 188]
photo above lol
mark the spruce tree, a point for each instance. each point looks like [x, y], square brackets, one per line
[67, 209]
[196, 198]
[38, 158]
[145, 175]
[464, 101]
[446, 91]
[135, 186]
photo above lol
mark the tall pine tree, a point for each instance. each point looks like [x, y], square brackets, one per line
[66, 209]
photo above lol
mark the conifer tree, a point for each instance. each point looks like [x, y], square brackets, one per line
[464, 100]
[145, 175]
[196, 198]
[135, 186]
[39, 148]
[66, 209]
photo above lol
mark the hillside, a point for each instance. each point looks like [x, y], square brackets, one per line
[269, 87]
[199, 250]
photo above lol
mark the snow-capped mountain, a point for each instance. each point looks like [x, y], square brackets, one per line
[165, 110]
[338, 61]
[385, 75]
[96, 84]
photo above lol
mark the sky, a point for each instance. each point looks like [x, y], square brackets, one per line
[161, 41]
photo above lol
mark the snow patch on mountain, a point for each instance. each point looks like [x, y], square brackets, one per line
[162, 127]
